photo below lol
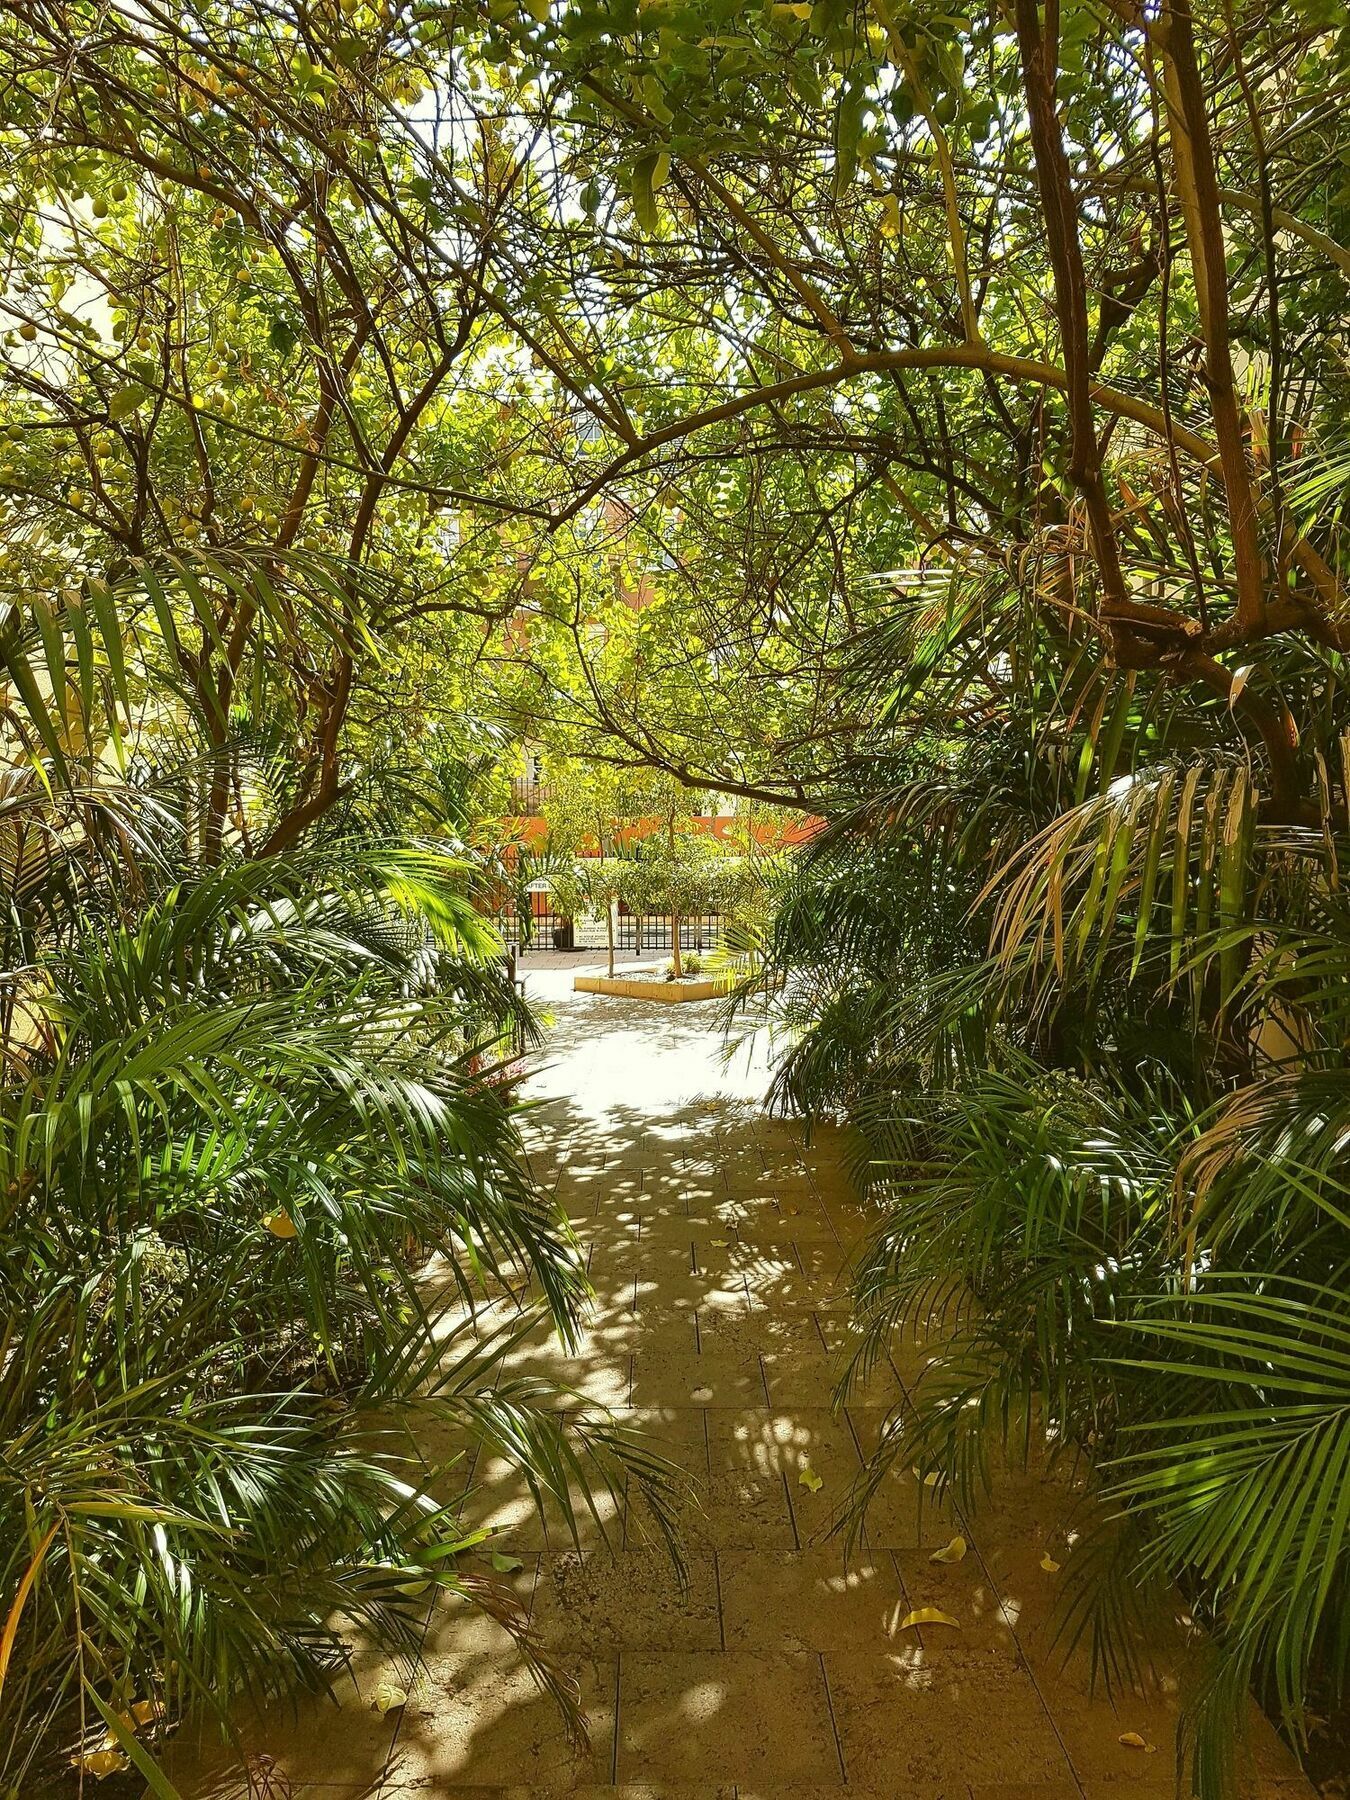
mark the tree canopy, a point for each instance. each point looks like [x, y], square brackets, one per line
[928, 421]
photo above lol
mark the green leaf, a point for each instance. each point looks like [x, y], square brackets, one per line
[643, 192]
[848, 127]
[127, 400]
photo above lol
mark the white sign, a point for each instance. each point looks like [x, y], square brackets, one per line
[589, 931]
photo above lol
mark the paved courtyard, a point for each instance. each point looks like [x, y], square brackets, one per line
[716, 1240]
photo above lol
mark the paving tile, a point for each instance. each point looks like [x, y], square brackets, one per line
[1032, 1595]
[596, 1603]
[736, 1509]
[771, 1273]
[672, 1331]
[596, 1371]
[625, 1791]
[907, 1353]
[1091, 1729]
[448, 1451]
[794, 1443]
[459, 1318]
[460, 1626]
[824, 1259]
[754, 1334]
[683, 1378]
[1247, 1786]
[765, 1225]
[904, 1513]
[750, 1717]
[501, 1501]
[690, 1289]
[341, 1740]
[903, 1718]
[663, 1257]
[665, 1201]
[790, 1195]
[717, 1241]
[703, 1196]
[1091, 1724]
[812, 1599]
[839, 1332]
[852, 1221]
[775, 1280]
[676, 1225]
[482, 1720]
[628, 1790]
[800, 1378]
[729, 1217]
[662, 1175]
[820, 1790]
[237, 1785]
[1025, 1513]
[610, 1251]
[964, 1591]
[1038, 1790]
[677, 1433]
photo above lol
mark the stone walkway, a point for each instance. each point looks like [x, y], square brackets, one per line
[716, 1241]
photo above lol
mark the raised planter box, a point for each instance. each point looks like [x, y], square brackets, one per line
[637, 987]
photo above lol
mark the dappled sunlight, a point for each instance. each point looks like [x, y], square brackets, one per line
[782, 1657]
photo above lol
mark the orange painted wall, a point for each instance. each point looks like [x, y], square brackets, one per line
[531, 832]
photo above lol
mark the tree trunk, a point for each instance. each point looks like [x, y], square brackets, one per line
[609, 936]
[675, 946]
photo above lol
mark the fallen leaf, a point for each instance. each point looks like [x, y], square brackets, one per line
[388, 1697]
[280, 1223]
[721, 1243]
[928, 1615]
[701, 1394]
[1133, 1741]
[100, 1763]
[1049, 1564]
[950, 1553]
[505, 1565]
[807, 1478]
[931, 1479]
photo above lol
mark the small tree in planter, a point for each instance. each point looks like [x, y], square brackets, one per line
[682, 875]
[639, 879]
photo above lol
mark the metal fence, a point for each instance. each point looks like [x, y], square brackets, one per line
[549, 930]
[536, 933]
[699, 933]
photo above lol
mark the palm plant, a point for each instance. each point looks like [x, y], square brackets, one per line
[1080, 991]
[244, 1104]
